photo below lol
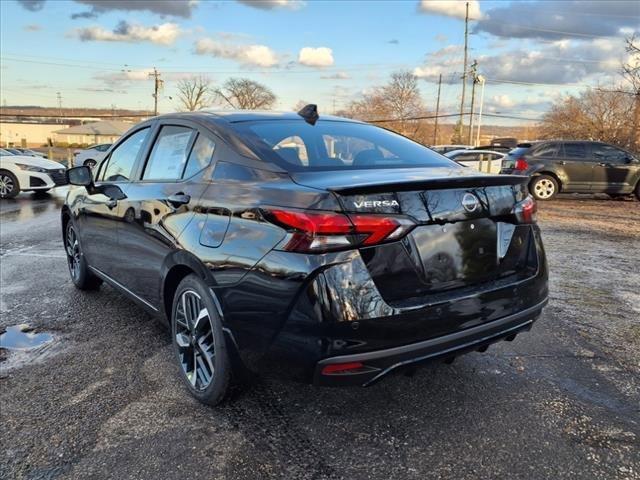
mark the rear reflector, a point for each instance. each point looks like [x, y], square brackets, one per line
[338, 368]
[327, 231]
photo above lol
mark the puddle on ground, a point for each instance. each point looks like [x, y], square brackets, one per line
[22, 337]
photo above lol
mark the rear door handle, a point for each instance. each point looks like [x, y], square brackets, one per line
[178, 199]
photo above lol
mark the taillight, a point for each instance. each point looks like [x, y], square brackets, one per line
[521, 164]
[327, 231]
[526, 210]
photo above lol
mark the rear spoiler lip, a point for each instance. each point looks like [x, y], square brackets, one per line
[432, 184]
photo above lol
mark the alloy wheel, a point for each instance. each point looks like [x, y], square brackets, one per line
[544, 188]
[73, 252]
[6, 185]
[194, 339]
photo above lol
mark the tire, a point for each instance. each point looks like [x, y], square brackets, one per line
[9, 185]
[198, 339]
[544, 187]
[637, 191]
[91, 163]
[81, 276]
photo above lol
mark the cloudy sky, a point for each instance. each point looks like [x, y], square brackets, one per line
[99, 52]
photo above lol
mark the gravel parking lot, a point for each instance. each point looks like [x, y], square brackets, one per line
[102, 399]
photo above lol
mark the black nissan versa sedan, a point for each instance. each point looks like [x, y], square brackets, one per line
[324, 250]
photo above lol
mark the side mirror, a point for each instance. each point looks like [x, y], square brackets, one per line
[80, 176]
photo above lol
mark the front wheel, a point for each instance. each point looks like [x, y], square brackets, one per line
[81, 276]
[90, 163]
[9, 185]
[543, 187]
[199, 342]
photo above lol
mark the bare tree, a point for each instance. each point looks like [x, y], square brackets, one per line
[245, 94]
[399, 101]
[194, 93]
[631, 73]
[595, 114]
[402, 96]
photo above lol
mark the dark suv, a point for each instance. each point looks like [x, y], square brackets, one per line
[574, 167]
[324, 250]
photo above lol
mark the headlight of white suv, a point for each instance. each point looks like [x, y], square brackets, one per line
[31, 168]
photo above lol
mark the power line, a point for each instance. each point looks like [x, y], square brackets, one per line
[449, 115]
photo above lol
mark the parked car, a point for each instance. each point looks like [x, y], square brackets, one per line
[450, 148]
[13, 151]
[574, 166]
[23, 173]
[91, 155]
[30, 153]
[351, 255]
[481, 160]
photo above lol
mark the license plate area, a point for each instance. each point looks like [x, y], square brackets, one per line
[457, 254]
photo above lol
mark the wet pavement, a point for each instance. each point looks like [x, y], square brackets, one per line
[102, 399]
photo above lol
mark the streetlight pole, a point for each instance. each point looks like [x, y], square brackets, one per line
[481, 81]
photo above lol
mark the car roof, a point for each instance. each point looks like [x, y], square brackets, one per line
[236, 116]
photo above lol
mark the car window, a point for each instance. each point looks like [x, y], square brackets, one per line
[200, 155]
[496, 156]
[607, 153]
[123, 158]
[575, 150]
[103, 148]
[518, 152]
[330, 145]
[548, 150]
[169, 154]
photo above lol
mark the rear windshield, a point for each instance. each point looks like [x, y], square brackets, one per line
[330, 145]
[519, 151]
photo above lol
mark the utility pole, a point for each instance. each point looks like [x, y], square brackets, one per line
[435, 128]
[464, 71]
[59, 96]
[157, 85]
[474, 79]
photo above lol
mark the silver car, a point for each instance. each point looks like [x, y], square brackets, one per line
[91, 156]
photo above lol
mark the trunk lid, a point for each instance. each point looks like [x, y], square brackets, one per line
[466, 233]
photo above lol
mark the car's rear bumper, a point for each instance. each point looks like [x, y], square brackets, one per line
[379, 363]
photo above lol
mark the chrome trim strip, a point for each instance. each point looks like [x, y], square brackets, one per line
[108, 279]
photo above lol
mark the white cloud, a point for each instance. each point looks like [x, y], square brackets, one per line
[163, 34]
[337, 76]
[259, 55]
[451, 8]
[559, 62]
[502, 101]
[126, 76]
[316, 57]
[273, 4]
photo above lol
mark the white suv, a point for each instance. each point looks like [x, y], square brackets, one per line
[22, 173]
[91, 156]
